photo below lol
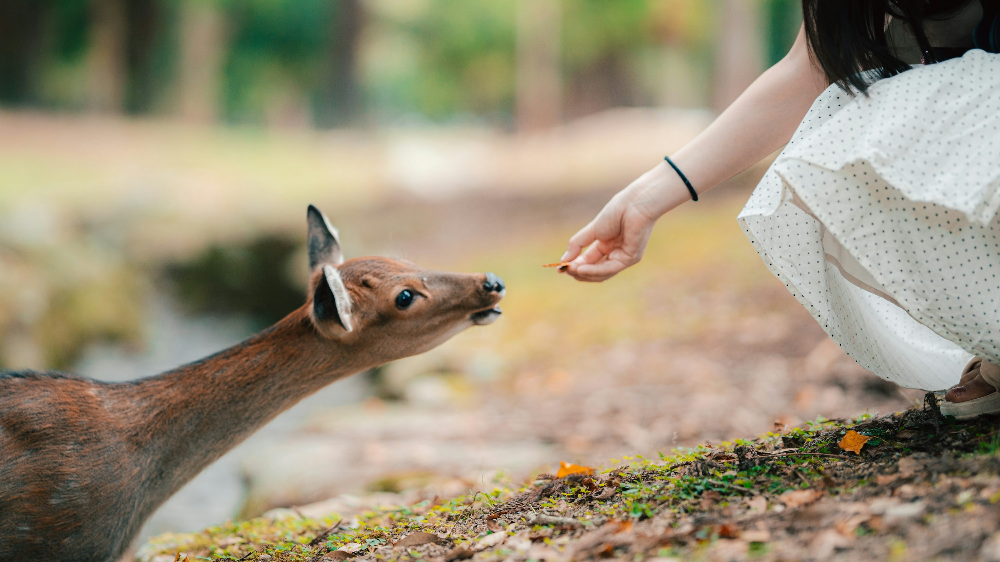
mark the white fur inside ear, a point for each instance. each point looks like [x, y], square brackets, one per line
[340, 294]
[336, 236]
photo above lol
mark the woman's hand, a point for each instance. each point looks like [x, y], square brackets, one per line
[755, 125]
[617, 237]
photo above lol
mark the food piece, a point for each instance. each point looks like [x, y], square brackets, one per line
[561, 266]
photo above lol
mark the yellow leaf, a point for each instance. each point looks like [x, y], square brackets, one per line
[565, 469]
[853, 441]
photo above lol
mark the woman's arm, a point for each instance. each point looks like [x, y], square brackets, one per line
[759, 122]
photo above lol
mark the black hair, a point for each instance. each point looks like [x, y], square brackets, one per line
[848, 38]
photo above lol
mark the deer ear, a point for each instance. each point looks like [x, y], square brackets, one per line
[324, 241]
[331, 301]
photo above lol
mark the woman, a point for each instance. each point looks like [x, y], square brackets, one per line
[879, 214]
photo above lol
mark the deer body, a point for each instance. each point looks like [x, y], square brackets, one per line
[84, 463]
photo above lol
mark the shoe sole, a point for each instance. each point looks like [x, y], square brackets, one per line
[989, 404]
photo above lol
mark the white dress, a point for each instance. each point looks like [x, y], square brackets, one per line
[880, 217]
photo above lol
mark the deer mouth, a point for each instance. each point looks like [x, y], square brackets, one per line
[484, 317]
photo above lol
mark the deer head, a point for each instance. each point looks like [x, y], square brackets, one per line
[394, 305]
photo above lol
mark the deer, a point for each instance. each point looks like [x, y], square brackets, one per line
[84, 463]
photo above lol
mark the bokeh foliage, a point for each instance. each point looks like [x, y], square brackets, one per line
[442, 60]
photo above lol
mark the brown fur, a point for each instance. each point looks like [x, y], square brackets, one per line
[83, 463]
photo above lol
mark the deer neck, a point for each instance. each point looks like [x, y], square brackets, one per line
[191, 416]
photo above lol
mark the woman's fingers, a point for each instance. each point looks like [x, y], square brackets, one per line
[599, 271]
[579, 241]
[593, 254]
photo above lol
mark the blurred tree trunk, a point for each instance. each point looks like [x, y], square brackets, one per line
[338, 97]
[739, 54]
[144, 19]
[106, 58]
[202, 44]
[20, 48]
[607, 82]
[539, 80]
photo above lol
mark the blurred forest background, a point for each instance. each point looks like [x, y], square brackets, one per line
[330, 63]
[157, 158]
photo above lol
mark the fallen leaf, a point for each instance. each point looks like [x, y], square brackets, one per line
[853, 441]
[351, 547]
[728, 531]
[826, 543]
[491, 540]
[886, 479]
[417, 538]
[799, 498]
[759, 535]
[709, 499]
[542, 552]
[335, 556]
[848, 526]
[607, 493]
[908, 466]
[757, 503]
[460, 553]
[492, 525]
[565, 469]
[540, 533]
[622, 526]
[543, 519]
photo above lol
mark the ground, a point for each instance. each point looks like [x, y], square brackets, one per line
[922, 487]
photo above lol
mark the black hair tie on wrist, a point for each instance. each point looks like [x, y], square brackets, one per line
[694, 194]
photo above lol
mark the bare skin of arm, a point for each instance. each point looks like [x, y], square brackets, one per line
[759, 122]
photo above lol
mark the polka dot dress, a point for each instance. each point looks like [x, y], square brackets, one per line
[880, 217]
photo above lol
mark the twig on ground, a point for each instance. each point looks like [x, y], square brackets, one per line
[812, 455]
[324, 534]
[801, 477]
[542, 519]
[733, 486]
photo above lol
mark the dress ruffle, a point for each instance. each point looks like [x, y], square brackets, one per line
[879, 216]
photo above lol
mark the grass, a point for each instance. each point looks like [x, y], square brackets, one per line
[691, 490]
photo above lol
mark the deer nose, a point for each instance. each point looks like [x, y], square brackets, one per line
[493, 284]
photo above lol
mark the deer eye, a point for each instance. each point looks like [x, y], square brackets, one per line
[404, 299]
